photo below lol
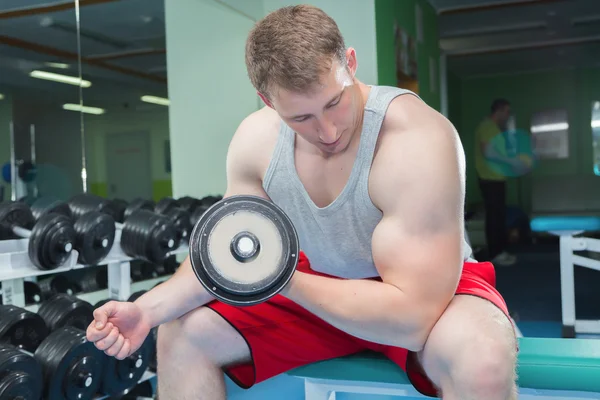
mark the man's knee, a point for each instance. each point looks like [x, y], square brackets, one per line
[201, 333]
[485, 371]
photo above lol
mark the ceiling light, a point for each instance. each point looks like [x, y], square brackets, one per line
[84, 109]
[57, 65]
[1, 96]
[71, 80]
[156, 100]
[560, 126]
[596, 123]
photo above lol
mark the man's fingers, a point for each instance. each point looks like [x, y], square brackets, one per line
[101, 314]
[125, 350]
[109, 340]
[94, 335]
[116, 347]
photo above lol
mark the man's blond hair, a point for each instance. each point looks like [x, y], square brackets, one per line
[292, 48]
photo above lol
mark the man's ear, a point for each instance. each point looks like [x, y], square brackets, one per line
[351, 59]
[265, 100]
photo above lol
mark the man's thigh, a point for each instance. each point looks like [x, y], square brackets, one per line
[281, 336]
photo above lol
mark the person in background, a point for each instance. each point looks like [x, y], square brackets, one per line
[492, 182]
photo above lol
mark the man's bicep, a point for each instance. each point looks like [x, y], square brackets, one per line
[418, 244]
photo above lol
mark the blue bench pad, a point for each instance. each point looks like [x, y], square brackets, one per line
[564, 223]
[544, 363]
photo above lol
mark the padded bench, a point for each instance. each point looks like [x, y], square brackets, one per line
[568, 228]
[547, 369]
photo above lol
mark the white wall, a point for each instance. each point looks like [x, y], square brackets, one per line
[209, 88]
[153, 119]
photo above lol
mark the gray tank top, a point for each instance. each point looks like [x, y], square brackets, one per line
[336, 238]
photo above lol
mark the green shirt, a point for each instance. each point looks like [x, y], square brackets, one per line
[486, 130]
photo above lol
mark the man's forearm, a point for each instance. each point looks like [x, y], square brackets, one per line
[177, 296]
[370, 310]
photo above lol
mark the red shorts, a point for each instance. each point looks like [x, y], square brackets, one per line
[282, 335]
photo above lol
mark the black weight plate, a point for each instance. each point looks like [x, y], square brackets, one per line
[210, 200]
[136, 205]
[141, 390]
[120, 375]
[14, 213]
[188, 203]
[33, 293]
[21, 328]
[152, 365]
[165, 205]
[58, 283]
[63, 310]
[197, 214]
[50, 205]
[249, 292]
[119, 206]
[72, 366]
[20, 375]
[83, 203]
[95, 235]
[148, 236]
[51, 241]
[170, 264]
[181, 221]
[94, 279]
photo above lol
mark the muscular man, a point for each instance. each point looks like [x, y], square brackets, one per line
[374, 181]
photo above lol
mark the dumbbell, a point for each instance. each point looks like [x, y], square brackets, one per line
[118, 375]
[144, 234]
[244, 250]
[58, 364]
[59, 283]
[181, 219]
[51, 237]
[94, 231]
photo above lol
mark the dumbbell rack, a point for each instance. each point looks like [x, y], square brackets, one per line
[16, 267]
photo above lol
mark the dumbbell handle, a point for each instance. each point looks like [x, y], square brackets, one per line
[26, 233]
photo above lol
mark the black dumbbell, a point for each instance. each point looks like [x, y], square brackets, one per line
[179, 217]
[144, 234]
[94, 231]
[64, 365]
[51, 238]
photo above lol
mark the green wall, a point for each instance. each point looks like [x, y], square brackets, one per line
[573, 90]
[428, 52]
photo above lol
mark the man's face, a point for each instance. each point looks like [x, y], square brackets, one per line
[504, 115]
[328, 116]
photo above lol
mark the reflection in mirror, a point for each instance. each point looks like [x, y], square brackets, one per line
[126, 120]
[39, 81]
[550, 130]
[596, 135]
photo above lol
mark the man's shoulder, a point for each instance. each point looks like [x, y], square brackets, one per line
[255, 139]
[264, 121]
[409, 120]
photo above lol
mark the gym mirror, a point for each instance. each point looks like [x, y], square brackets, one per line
[39, 89]
[126, 109]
